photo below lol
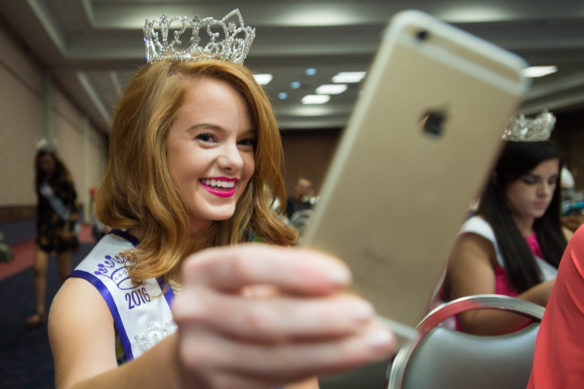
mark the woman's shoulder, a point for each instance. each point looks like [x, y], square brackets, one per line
[477, 239]
[478, 225]
[106, 256]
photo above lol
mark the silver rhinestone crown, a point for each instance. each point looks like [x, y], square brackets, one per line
[522, 129]
[47, 144]
[227, 39]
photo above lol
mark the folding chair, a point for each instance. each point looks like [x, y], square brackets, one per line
[444, 358]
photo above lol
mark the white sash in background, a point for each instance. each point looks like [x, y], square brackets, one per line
[480, 226]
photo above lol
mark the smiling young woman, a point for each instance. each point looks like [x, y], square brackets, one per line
[210, 150]
[151, 203]
[194, 168]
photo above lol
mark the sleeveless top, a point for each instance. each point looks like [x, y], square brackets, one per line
[142, 314]
[480, 226]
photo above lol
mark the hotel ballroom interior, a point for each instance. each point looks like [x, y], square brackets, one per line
[64, 64]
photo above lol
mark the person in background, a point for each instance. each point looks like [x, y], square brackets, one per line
[56, 223]
[559, 347]
[174, 296]
[568, 183]
[303, 199]
[513, 245]
[6, 253]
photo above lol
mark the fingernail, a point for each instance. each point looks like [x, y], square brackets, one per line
[364, 311]
[340, 276]
[379, 338]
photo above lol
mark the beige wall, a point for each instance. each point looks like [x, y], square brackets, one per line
[20, 119]
[25, 95]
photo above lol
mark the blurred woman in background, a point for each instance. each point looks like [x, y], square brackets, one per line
[56, 223]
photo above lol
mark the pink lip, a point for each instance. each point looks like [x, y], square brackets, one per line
[218, 192]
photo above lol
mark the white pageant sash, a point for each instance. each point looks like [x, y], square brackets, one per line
[141, 314]
[480, 226]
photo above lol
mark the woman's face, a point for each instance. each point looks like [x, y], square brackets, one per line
[46, 165]
[210, 150]
[530, 195]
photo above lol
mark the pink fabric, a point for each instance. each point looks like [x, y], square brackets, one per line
[502, 286]
[534, 245]
[559, 350]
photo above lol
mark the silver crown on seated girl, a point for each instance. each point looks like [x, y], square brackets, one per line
[537, 129]
[193, 39]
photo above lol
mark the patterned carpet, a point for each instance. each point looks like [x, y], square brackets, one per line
[25, 356]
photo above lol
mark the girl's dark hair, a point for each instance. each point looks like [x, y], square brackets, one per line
[61, 171]
[516, 160]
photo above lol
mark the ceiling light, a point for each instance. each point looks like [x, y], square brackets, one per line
[263, 79]
[472, 12]
[315, 99]
[348, 77]
[310, 71]
[539, 71]
[331, 89]
[282, 95]
[294, 85]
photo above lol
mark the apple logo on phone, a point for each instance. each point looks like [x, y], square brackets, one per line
[433, 121]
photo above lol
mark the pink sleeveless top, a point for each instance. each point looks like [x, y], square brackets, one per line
[501, 284]
[479, 226]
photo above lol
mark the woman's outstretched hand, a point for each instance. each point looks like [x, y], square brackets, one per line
[230, 337]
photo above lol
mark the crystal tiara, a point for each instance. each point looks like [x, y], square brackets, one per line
[522, 129]
[225, 39]
[46, 144]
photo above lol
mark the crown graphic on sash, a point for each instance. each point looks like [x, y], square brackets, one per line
[227, 39]
[115, 269]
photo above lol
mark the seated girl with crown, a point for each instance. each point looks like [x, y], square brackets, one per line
[514, 243]
[193, 148]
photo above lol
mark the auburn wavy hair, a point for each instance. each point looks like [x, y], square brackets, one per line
[138, 193]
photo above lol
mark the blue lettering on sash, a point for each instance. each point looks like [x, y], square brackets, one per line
[137, 297]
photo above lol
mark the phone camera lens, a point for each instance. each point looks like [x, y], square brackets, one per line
[422, 35]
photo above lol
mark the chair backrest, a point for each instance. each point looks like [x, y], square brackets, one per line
[444, 358]
[369, 376]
